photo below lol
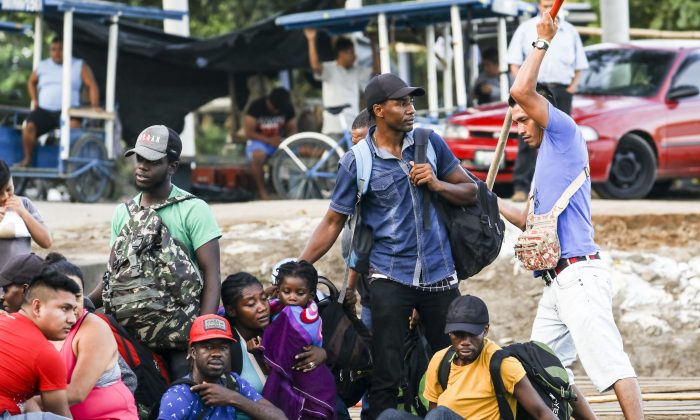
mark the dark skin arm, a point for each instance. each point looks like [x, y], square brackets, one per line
[309, 354]
[217, 395]
[324, 236]
[89, 81]
[250, 124]
[531, 401]
[457, 188]
[56, 402]
[32, 88]
[208, 260]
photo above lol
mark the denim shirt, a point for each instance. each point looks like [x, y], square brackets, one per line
[403, 251]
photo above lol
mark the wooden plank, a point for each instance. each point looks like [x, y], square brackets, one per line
[91, 113]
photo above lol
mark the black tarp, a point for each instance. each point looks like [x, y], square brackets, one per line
[162, 77]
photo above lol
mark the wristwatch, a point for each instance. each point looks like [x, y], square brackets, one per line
[541, 44]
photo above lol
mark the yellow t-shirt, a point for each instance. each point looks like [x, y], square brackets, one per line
[470, 391]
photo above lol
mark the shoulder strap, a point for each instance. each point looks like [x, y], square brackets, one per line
[363, 169]
[421, 139]
[131, 207]
[363, 164]
[563, 201]
[498, 387]
[444, 368]
[232, 383]
[172, 200]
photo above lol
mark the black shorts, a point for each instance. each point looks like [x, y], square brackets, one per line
[44, 120]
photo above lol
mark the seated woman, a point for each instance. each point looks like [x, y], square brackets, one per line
[247, 308]
[20, 221]
[95, 388]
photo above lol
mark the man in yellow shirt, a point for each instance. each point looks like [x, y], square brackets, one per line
[470, 393]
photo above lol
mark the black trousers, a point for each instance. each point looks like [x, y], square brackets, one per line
[524, 169]
[392, 304]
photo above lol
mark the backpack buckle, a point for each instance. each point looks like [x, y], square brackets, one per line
[135, 266]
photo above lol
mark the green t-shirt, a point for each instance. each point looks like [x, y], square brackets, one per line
[191, 221]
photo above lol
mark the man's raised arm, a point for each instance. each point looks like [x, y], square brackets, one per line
[523, 90]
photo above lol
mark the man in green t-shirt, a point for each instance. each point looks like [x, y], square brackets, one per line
[191, 221]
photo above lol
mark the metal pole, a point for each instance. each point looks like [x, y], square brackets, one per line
[457, 42]
[502, 59]
[615, 20]
[473, 58]
[66, 86]
[432, 71]
[38, 40]
[448, 97]
[182, 27]
[110, 89]
[384, 58]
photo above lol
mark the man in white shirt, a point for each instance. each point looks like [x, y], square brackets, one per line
[45, 87]
[343, 80]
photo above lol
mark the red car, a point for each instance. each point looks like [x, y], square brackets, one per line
[638, 105]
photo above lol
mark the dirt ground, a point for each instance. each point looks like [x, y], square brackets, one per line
[655, 260]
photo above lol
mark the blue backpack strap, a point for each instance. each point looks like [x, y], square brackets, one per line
[363, 164]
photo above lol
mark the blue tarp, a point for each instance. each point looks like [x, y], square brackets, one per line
[91, 8]
[402, 14]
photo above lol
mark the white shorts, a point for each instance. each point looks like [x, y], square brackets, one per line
[575, 314]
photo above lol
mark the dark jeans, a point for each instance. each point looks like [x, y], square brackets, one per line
[438, 413]
[391, 307]
[524, 169]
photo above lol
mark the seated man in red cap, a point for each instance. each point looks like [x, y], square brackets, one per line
[212, 391]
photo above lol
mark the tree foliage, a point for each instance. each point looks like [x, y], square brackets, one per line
[669, 15]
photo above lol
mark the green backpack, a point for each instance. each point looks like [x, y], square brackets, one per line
[151, 286]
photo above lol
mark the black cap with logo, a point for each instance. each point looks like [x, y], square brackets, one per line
[157, 142]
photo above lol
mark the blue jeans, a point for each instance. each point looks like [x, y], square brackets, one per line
[366, 317]
[438, 413]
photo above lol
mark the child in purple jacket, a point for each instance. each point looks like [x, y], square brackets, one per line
[295, 324]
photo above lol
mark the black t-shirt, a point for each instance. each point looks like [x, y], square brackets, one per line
[268, 123]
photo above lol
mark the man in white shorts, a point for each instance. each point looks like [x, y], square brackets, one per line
[575, 312]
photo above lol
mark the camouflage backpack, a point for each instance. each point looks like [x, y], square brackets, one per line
[151, 286]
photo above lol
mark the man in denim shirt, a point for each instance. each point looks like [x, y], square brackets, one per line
[410, 267]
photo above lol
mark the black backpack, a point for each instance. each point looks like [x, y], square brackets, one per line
[348, 345]
[149, 368]
[231, 384]
[416, 357]
[476, 231]
[542, 367]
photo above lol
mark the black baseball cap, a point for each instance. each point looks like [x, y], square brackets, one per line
[467, 313]
[21, 269]
[388, 86]
[157, 142]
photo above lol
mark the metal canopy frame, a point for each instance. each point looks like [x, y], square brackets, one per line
[93, 8]
[419, 14]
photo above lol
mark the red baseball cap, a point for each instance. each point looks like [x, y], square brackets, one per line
[210, 327]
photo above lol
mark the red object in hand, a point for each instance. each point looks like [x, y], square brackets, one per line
[555, 8]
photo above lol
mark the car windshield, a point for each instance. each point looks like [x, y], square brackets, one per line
[625, 72]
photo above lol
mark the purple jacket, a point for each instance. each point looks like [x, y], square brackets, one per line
[301, 395]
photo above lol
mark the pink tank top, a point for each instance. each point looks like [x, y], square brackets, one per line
[111, 402]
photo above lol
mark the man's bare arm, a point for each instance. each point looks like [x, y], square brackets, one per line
[208, 258]
[573, 86]
[513, 214]
[523, 90]
[89, 81]
[31, 88]
[324, 236]
[313, 52]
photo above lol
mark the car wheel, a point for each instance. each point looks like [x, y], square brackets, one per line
[661, 189]
[633, 170]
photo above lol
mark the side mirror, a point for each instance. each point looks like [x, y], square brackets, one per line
[682, 91]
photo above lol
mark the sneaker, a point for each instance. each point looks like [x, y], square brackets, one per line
[519, 197]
